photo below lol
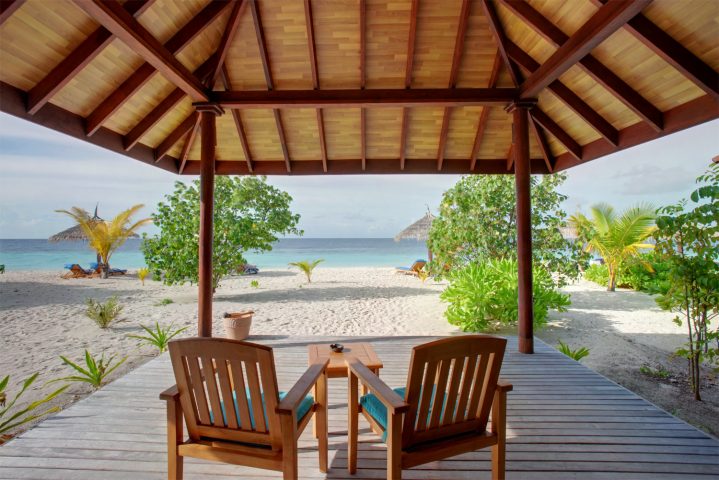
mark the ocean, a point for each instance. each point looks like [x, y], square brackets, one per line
[39, 254]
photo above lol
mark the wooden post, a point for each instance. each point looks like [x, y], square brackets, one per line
[520, 149]
[208, 114]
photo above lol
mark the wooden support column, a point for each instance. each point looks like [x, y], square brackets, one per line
[520, 149]
[208, 116]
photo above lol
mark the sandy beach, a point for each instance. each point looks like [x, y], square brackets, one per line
[42, 317]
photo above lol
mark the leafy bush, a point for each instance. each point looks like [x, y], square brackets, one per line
[483, 295]
[103, 313]
[96, 372]
[659, 372]
[306, 267]
[142, 274]
[597, 274]
[255, 284]
[164, 301]
[160, 336]
[646, 273]
[9, 420]
[577, 354]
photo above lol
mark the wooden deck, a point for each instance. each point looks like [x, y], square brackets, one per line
[565, 422]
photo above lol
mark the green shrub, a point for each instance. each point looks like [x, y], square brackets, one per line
[597, 274]
[103, 313]
[96, 371]
[14, 419]
[577, 354]
[646, 273]
[255, 284]
[164, 301]
[307, 267]
[659, 372]
[483, 295]
[160, 336]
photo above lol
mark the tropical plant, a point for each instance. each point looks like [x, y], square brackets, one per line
[306, 267]
[103, 313]
[659, 372]
[686, 237]
[483, 295]
[255, 284]
[423, 274]
[160, 336]
[249, 215]
[616, 237]
[597, 274]
[164, 301]
[477, 222]
[142, 274]
[95, 372]
[576, 354]
[107, 236]
[10, 420]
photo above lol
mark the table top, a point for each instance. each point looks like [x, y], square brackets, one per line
[362, 351]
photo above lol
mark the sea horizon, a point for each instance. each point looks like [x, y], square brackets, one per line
[41, 254]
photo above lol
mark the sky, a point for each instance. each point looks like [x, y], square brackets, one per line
[42, 171]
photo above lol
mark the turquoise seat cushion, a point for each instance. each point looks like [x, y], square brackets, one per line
[305, 406]
[377, 410]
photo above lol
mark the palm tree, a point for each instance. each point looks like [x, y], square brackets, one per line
[616, 237]
[307, 267]
[107, 236]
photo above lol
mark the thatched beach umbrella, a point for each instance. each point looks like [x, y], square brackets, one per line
[419, 231]
[76, 233]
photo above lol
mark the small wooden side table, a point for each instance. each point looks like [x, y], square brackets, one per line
[337, 367]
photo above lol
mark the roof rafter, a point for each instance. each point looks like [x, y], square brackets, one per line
[112, 16]
[233, 23]
[315, 79]
[549, 159]
[484, 116]
[600, 73]
[189, 140]
[454, 71]
[78, 59]
[363, 78]
[607, 20]
[8, 7]
[175, 136]
[142, 75]
[557, 132]
[261, 42]
[408, 78]
[673, 52]
[566, 95]
[224, 76]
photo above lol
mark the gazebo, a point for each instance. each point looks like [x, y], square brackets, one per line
[361, 87]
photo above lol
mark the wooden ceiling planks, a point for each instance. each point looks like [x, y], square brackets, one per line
[623, 92]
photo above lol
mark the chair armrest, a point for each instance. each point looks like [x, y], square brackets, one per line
[503, 386]
[171, 393]
[390, 399]
[299, 391]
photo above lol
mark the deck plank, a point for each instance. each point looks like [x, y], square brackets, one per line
[564, 422]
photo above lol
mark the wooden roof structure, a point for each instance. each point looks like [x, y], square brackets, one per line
[361, 86]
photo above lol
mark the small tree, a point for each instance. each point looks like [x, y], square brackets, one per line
[688, 237]
[616, 237]
[477, 222]
[249, 215]
[107, 236]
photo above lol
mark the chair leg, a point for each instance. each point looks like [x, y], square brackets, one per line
[394, 447]
[174, 438]
[289, 447]
[352, 423]
[499, 427]
[321, 417]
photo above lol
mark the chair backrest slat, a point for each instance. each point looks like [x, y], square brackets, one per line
[450, 387]
[225, 388]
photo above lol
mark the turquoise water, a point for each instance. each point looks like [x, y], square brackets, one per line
[337, 252]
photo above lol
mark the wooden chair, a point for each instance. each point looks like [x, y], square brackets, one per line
[214, 374]
[442, 411]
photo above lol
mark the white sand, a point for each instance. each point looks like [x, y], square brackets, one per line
[42, 317]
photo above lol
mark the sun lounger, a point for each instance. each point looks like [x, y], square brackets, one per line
[76, 271]
[113, 271]
[413, 269]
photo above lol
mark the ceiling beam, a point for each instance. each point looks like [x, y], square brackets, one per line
[549, 159]
[403, 138]
[157, 113]
[8, 7]
[600, 73]
[63, 121]
[351, 166]
[363, 137]
[453, 72]
[557, 132]
[510, 158]
[309, 23]
[78, 59]
[673, 52]
[113, 17]
[323, 143]
[233, 23]
[363, 78]
[189, 140]
[566, 95]
[484, 116]
[283, 140]
[408, 78]
[180, 131]
[501, 39]
[142, 75]
[607, 20]
[695, 112]
[224, 76]
[419, 97]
